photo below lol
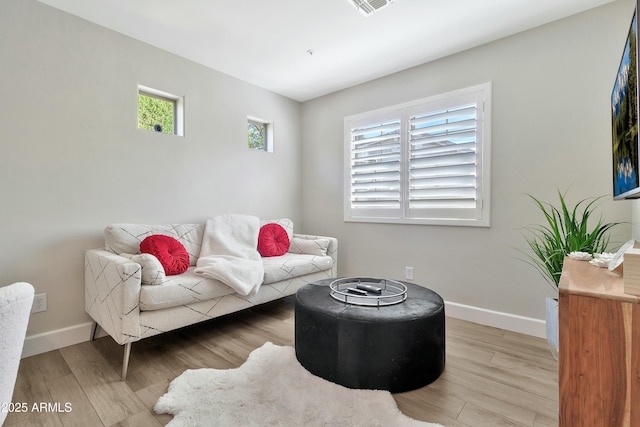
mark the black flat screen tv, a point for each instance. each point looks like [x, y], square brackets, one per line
[624, 120]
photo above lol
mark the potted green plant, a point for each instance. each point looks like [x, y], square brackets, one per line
[565, 230]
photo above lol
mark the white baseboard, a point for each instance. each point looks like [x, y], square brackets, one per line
[496, 319]
[53, 340]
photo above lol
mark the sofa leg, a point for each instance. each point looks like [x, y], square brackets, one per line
[125, 360]
[94, 329]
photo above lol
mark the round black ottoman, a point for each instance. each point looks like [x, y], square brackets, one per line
[397, 347]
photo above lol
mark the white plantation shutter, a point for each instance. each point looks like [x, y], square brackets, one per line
[375, 166]
[444, 158]
[423, 162]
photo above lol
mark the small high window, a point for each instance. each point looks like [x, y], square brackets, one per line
[160, 111]
[260, 135]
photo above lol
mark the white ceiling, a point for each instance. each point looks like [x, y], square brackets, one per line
[266, 42]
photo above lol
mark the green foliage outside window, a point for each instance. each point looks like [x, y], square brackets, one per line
[257, 135]
[154, 112]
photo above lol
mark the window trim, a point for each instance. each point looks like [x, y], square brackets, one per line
[402, 215]
[178, 102]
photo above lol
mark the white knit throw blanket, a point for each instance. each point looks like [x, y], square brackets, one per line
[229, 252]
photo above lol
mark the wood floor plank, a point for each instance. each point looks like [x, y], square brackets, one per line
[163, 358]
[464, 351]
[477, 388]
[111, 398]
[414, 403]
[141, 419]
[509, 380]
[52, 365]
[528, 369]
[483, 397]
[77, 411]
[272, 328]
[482, 417]
[30, 389]
[150, 395]
[492, 377]
[32, 418]
[546, 420]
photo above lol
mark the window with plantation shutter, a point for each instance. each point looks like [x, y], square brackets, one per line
[375, 166]
[424, 162]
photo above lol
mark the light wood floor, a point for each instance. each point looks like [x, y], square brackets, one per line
[492, 377]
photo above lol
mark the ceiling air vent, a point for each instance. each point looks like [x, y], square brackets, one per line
[367, 7]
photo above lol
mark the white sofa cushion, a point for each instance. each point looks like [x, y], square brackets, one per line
[126, 238]
[290, 265]
[189, 287]
[181, 289]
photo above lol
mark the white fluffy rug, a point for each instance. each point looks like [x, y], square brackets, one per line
[272, 389]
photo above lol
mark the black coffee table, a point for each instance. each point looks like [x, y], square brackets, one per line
[397, 347]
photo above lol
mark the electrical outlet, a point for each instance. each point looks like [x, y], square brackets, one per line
[408, 273]
[39, 303]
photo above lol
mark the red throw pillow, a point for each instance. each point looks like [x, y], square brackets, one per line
[170, 252]
[273, 240]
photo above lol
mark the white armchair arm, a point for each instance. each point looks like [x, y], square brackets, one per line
[112, 294]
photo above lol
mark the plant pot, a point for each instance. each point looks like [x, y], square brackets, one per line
[552, 325]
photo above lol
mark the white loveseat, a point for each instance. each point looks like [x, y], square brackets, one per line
[129, 310]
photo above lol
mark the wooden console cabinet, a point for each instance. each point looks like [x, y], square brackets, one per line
[599, 356]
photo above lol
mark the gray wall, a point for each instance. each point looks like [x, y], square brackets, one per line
[551, 129]
[73, 160]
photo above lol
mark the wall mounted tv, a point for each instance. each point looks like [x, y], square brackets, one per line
[624, 120]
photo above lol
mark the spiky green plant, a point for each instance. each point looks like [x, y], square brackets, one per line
[566, 230]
